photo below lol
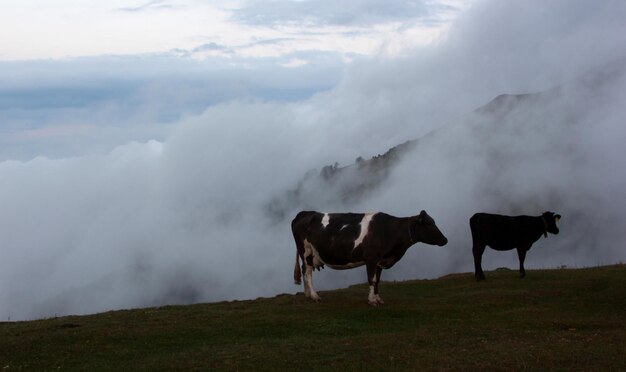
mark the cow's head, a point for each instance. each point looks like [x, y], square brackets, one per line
[423, 229]
[550, 219]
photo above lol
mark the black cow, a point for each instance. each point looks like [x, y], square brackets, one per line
[348, 240]
[504, 233]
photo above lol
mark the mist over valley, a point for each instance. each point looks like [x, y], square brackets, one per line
[198, 207]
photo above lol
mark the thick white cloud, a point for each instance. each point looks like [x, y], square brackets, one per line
[185, 219]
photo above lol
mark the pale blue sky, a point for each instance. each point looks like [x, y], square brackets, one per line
[31, 29]
[78, 77]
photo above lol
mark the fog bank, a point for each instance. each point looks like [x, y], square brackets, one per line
[185, 219]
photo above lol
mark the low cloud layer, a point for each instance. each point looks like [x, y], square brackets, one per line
[69, 108]
[185, 219]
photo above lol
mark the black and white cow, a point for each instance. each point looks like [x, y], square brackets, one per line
[348, 240]
[504, 233]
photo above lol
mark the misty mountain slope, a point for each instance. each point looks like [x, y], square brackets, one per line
[345, 186]
[163, 223]
[558, 150]
[507, 115]
[339, 186]
[181, 185]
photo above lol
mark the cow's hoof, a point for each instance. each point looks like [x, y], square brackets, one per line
[376, 302]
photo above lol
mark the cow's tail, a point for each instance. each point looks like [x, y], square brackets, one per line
[297, 274]
[475, 231]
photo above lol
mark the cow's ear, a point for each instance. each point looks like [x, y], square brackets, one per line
[557, 217]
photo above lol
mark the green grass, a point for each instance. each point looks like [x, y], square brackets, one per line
[570, 319]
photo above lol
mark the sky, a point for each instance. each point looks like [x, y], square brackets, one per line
[200, 29]
[141, 142]
[82, 77]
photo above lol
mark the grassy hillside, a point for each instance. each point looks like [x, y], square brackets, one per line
[553, 319]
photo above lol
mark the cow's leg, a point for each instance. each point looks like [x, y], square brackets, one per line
[478, 250]
[372, 278]
[308, 278]
[309, 291]
[379, 271]
[297, 274]
[521, 254]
